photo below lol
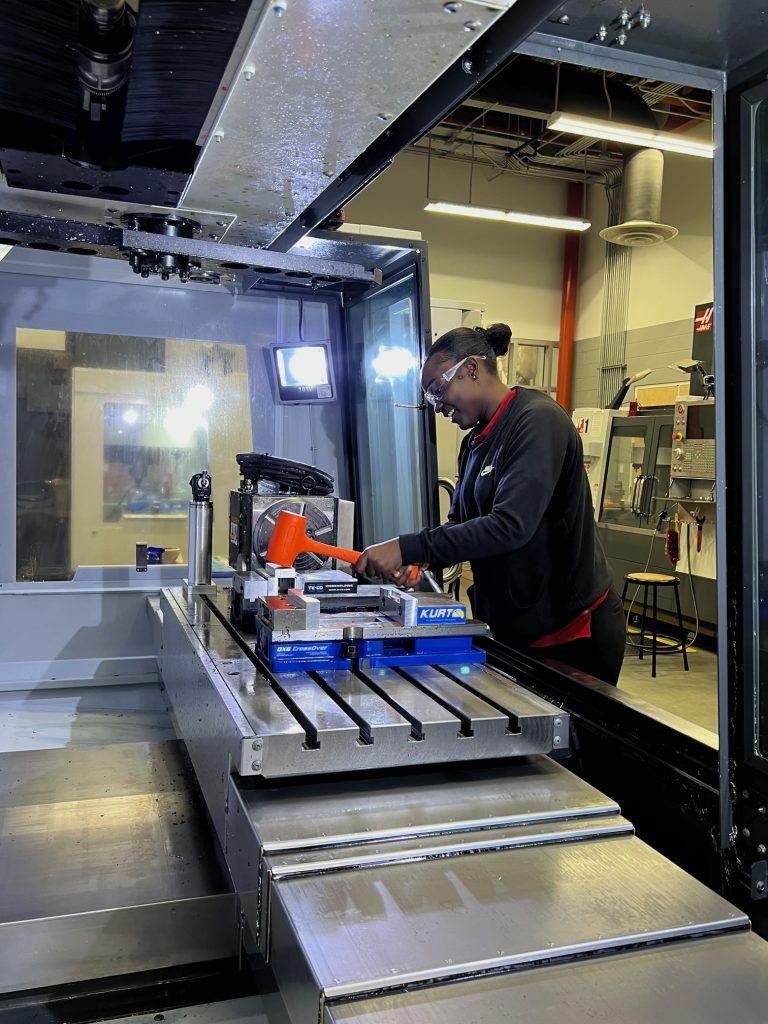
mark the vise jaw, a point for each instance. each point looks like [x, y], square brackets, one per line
[290, 612]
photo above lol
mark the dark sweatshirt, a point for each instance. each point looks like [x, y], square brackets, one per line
[522, 516]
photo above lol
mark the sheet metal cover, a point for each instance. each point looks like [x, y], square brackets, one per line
[86, 830]
[365, 930]
[316, 87]
[366, 809]
[722, 978]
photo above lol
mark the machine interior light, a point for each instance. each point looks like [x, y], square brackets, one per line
[510, 216]
[304, 373]
[631, 135]
[199, 398]
[393, 363]
[305, 365]
[180, 424]
[130, 416]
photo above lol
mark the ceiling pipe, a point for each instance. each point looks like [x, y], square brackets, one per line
[571, 246]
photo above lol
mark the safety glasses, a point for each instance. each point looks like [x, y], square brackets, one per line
[434, 393]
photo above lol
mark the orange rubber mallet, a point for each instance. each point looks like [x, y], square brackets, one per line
[289, 540]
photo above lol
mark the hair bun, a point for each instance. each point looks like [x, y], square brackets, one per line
[499, 337]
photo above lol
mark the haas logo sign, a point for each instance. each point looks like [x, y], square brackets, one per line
[702, 319]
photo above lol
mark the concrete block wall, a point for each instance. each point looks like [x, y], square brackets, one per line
[653, 347]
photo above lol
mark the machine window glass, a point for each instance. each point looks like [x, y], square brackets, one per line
[625, 464]
[662, 470]
[150, 454]
[385, 333]
[760, 320]
[554, 369]
[109, 431]
[531, 366]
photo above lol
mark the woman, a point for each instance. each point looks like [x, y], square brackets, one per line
[522, 513]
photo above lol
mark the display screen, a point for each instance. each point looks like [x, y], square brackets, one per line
[700, 422]
[304, 373]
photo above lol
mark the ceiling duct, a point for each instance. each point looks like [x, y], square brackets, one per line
[536, 88]
[641, 211]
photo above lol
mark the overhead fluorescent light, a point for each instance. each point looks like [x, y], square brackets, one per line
[511, 216]
[612, 131]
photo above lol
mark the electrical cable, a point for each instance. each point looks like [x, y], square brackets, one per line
[691, 640]
[607, 96]
[290, 477]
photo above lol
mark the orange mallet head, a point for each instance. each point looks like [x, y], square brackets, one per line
[289, 540]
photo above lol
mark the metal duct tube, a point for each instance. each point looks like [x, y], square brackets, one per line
[643, 175]
[641, 215]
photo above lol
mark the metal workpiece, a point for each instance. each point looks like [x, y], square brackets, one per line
[286, 614]
[334, 720]
[363, 931]
[108, 866]
[709, 981]
[250, 586]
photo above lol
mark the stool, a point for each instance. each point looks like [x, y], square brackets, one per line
[656, 580]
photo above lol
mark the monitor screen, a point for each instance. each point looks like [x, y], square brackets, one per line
[304, 373]
[700, 421]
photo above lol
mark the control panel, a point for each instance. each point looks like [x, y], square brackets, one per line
[693, 442]
[693, 460]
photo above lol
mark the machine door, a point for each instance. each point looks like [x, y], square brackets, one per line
[629, 484]
[660, 463]
[636, 484]
[393, 456]
[747, 483]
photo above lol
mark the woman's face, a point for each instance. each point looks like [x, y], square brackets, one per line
[459, 399]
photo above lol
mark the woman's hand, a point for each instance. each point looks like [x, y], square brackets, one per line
[385, 560]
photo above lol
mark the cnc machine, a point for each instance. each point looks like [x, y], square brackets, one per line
[224, 765]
